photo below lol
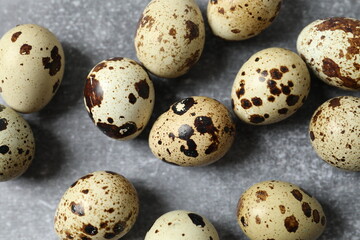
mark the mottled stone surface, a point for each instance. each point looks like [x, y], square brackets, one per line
[70, 146]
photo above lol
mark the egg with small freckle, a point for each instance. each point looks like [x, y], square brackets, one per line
[98, 206]
[241, 19]
[32, 67]
[331, 49]
[17, 144]
[195, 131]
[182, 225]
[335, 132]
[280, 210]
[170, 37]
[119, 97]
[271, 86]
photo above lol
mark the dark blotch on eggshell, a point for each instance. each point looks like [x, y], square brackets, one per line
[291, 224]
[143, 89]
[77, 209]
[192, 31]
[256, 118]
[118, 132]
[335, 102]
[291, 100]
[132, 98]
[316, 216]
[332, 69]
[245, 103]
[53, 63]
[187, 104]
[306, 209]
[3, 124]
[276, 74]
[90, 229]
[4, 149]
[15, 36]
[297, 194]
[196, 219]
[93, 93]
[25, 49]
[261, 195]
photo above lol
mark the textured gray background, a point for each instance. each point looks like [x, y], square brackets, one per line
[69, 146]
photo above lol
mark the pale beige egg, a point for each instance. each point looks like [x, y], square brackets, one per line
[32, 67]
[280, 210]
[170, 37]
[99, 206]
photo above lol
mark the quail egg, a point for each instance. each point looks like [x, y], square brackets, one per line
[32, 67]
[182, 225]
[271, 86]
[99, 206]
[170, 37]
[335, 132]
[280, 210]
[195, 131]
[330, 48]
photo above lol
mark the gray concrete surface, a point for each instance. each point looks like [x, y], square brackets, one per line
[69, 146]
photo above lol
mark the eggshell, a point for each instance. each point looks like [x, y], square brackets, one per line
[241, 19]
[335, 132]
[99, 206]
[17, 144]
[195, 131]
[119, 97]
[271, 86]
[170, 37]
[32, 67]
[182, 225]
[330, 47]
[280, 210]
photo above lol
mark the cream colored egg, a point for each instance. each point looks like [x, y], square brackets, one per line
[32, 67]
[271, 86]
[98, 206]
[335, 132]
[182, 225]
[119, 97]
[195, 131]
[280, 210]
[330, 47]
[241, 19]
[17, 144]
[170, 37]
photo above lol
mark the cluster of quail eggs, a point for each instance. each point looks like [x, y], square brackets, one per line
[195, 131]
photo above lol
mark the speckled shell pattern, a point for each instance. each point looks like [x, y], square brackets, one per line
[119, 97]
[280, 210]
[195, 131]
[182, 225]
[271, 86]
[32, 67]
[335, 132]
[241, 19]
[100, 205]
[17, 144]
[170, 37]
[330, 47]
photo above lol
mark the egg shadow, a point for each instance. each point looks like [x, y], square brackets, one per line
[151, 207]
[49, 154]
[69, 94]
[335, 223]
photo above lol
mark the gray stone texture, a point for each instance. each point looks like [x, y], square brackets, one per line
[70, 146]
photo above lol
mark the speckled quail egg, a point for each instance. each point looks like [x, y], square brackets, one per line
[335, 132]
[330, 47]
[182, 225]
[119, 97]
[170, 37]
[32, 67]
[17, 144]
[99, 206]
[271, 86]
[195, 131]
[280, 210]
[241, 19]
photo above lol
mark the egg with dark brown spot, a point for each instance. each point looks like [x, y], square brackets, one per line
[100, 205]
[17, 144]
[330, 48]
[119, 97]
[182, 225]
[241, 19]
[32, 65]
[271, 86]
[195, 131]
[279, 210]
[335, 132]
[170, 37]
